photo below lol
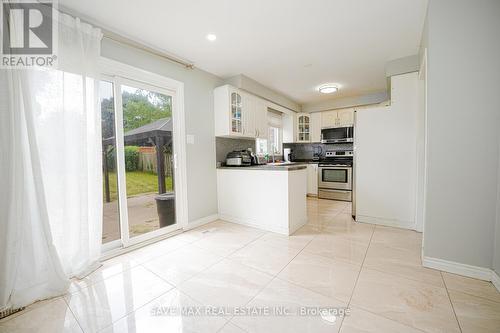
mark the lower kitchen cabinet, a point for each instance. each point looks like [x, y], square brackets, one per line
[312, 179]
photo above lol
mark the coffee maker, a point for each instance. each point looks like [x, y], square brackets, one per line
[288, 154]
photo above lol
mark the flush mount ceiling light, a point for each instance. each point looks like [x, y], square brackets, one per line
[328, 89]
[211, 37]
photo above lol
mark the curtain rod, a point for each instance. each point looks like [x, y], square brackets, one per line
[127, 41]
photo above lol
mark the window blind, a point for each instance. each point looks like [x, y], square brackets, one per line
[274, 118]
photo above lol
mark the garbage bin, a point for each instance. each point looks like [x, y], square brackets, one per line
[165, 205]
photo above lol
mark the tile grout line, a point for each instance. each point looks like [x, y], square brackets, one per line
[274, 277]
[390, 274]
[357, 278]
[93, 283]
[73, 314]
[142, 264]
[129, 313]
[468, 293]
[451, 303]
[230, 322]
[221, 258]
[133, 311]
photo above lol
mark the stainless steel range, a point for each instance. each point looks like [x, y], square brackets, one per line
[335, 175]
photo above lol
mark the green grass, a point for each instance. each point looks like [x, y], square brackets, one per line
[138, 182]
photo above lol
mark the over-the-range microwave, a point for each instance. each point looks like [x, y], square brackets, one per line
[337, 134]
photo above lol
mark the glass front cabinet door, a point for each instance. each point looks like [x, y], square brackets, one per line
[303, 128]
[236, 118]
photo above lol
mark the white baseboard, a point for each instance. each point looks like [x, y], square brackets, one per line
[253, 224]
[495, 279]
[386, 222]
[202, 221]
[475, 272]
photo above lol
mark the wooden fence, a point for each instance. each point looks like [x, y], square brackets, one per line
[147, 161]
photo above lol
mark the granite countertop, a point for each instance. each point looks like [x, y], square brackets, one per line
[282, 167]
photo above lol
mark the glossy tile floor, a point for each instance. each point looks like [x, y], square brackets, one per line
[285, 284]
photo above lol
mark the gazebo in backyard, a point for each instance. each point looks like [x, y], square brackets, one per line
[157, 133]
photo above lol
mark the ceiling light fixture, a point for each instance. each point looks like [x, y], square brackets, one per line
[328, 89]
[211, 37]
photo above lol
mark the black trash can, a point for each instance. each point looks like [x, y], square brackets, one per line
[165, 205]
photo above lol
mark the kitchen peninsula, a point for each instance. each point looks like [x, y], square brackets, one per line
[268, 197]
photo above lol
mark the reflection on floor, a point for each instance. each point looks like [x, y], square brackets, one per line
[330, 264]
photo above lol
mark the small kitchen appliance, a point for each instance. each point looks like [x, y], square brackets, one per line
[239, 158]
[288, 154]
[337, 135]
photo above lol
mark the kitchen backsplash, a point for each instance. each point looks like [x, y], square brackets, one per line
[226, 145]
[306, 151]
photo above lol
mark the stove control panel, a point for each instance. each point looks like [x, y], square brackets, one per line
[339, 153]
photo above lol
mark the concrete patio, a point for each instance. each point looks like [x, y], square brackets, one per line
[142, 216]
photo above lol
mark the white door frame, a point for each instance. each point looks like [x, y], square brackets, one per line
[119, 73]
[423, 76]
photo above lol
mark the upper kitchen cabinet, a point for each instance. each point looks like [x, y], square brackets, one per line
[337, 118]
[316, 127]
[249, 128]
[289, 127]
[261, 123]
[346, 117]
[228, 107]
[234, 112]
[303, 127]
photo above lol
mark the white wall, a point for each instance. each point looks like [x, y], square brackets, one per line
[198, 104]
[386, 157]
[463, 128]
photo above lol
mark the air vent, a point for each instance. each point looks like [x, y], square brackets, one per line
[8, 312]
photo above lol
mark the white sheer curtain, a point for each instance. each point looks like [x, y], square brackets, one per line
[50, 176]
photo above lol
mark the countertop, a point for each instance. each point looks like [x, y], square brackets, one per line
[283, 167]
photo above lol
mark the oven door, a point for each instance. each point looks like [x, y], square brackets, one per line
[335, 177]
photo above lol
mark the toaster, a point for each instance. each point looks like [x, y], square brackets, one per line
[239, 158]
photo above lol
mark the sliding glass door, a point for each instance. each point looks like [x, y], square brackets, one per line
[138, 162]
[111, 213]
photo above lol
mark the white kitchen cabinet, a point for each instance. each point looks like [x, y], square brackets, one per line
[280, 208]
[328, 119]
[312, 179]
[261, 123]
[337, 118]
[249, 121]
[228, 109]
[316, 127]
[239, 114]
[289, 127]
[303, 127]
[345, 117]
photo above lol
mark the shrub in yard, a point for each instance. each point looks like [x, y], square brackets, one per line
[131, 158]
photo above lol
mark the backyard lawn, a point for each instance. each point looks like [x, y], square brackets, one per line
[138, 182]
